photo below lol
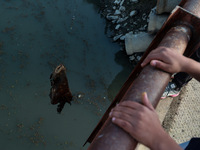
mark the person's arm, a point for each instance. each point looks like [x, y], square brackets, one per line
[172, 62]
[142, 123]
[192, 67]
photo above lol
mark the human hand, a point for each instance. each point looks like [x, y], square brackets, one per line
[142, 123]
[166, 59]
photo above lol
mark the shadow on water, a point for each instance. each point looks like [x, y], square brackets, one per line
[122, 59]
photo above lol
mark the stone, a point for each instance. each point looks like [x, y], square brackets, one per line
[132, 13]
[122, 8]
[117, 2]
[111, 17]
[117, 27]
[155, 21]
[117, 37]
[122, 2]
[166, 5]
[134, 1]
[117, 12]
[122, 38]
[122, 19]
[137, 42]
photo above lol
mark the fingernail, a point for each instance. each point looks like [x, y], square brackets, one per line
[153, 63]
[144, 94]
[113, 119]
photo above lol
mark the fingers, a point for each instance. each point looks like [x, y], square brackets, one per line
[146, 101]
[128, 110]
[156, 54]
[147, 60]
[127, 126]
[130, 104]
[161, 65]
[118, 110]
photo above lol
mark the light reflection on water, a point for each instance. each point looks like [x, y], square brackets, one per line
[35, 37]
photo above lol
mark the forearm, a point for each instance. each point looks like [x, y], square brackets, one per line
[192, 67]
[165, 142]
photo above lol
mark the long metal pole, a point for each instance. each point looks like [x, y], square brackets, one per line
[150, 80]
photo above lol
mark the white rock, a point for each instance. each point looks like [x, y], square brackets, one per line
[117, 37]
[166, 5]
[155, 21]
[117, 12]
[137, 42]
[122, 8]
[131, 58]
[117, 27]
[121, 19]
[117, 2]
[111, 17]
[122, 38]
[122, 2]
[132, 13]
[114, 7]
[113, 21]
[125, 24]
[80, 95]
[134, 1]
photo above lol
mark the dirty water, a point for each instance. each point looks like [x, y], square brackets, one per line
[35, 37]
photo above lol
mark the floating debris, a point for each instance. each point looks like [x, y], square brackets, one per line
[60, 92]
[3, 107]
[80, 95]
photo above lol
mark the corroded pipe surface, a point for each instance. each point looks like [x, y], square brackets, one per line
[192, 6]
[150, 80]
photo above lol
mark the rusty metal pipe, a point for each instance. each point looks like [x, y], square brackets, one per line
[150, 80]
[192, 6]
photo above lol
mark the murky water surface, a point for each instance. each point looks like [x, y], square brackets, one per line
[36, 36]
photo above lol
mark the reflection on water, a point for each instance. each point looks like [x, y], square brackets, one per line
[35, 37]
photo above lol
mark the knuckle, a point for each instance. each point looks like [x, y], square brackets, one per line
[124, 124]
[119, 114]
[140, 116]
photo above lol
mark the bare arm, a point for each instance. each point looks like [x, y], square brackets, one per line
[142, 123]
[172, 62]
[192, 67]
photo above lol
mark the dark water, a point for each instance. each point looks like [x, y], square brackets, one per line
[36, 36]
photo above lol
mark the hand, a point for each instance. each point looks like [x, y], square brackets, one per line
[166, 59]
[142, 123]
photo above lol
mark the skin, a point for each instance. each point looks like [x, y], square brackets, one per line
[170, 61]
[142, 123]
[140, 120]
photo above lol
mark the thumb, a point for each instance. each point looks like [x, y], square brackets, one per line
[146, 101]
[159, 64]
